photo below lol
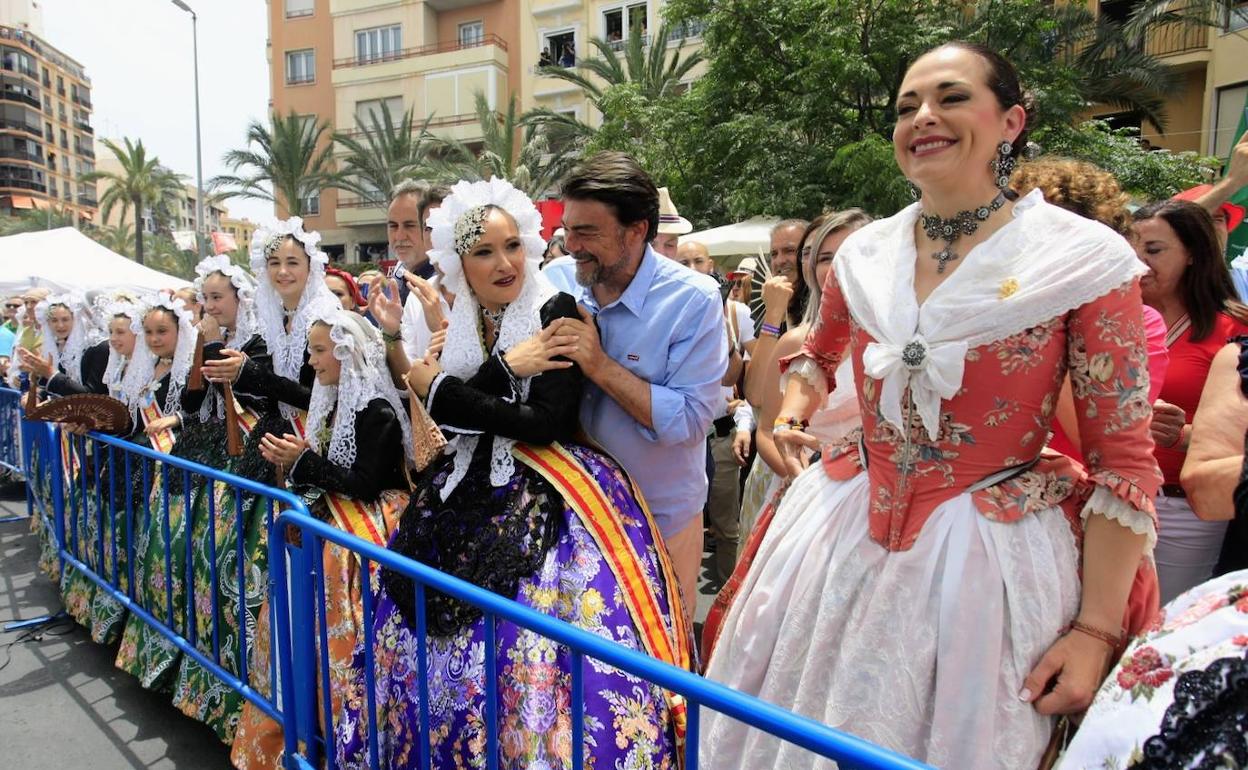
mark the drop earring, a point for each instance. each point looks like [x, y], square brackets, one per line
[1003, 165]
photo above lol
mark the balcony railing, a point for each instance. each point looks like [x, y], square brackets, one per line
[424, 50]
[85, 152]
[17, 125]
[14, 66]
[1176, 38]
[29, 157]
[22, 184]
[442, 122]
[18, 96]
[356, 202]
[82, 100]
[84, 127]
[87, 200]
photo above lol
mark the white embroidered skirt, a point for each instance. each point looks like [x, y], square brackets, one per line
[920, 651]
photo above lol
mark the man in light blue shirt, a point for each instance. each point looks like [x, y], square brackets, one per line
[656, 354]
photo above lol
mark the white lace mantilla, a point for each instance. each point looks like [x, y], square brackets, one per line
[1045, 262]
[68, 356]
[363, 377]
[139, 377]
[287, 343]
[464, 351]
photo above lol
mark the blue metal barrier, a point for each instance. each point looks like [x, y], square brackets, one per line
[299, 655]
[93, 469]
[103, 468]
[11, 455]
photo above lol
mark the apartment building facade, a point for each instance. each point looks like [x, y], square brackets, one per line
[340, 60]
[1211, 67]
[46, 137]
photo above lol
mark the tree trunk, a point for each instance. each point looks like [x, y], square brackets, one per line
[138, 230]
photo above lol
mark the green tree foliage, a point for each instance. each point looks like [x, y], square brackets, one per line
[36, 220]
[285, 163]
[795, 112]
[1147, 176]
[142, 183]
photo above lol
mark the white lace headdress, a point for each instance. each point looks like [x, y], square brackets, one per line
[245, 325]
[138, 379]
[116, 368]
[82, 335]
[286, 346]
[359, 348]
[456, 226]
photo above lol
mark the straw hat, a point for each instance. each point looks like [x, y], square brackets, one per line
[747, 266]
[670, 220]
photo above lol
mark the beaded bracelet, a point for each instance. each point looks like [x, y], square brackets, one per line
[788, 423]
[1113, 640]
[390, 339]
[770, 330]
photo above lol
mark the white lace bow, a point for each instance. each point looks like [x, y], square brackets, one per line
[1045, 262]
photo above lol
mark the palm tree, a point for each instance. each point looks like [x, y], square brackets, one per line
[118, 238]
[525, 153]
[36, 220]
[644, 64]
[282, 163]
[141, 183]
[383, 153]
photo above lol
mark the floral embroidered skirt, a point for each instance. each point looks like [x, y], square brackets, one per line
[218, 548]
[920, 651]
[1203, 636]
[258, 741]
[627, 720]
[159, 583]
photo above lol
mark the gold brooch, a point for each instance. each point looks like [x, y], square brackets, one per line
[1008, 287]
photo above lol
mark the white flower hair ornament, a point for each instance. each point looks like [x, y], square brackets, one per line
[245, 323]
[286, 341]
[138, 380]
[458, 224]
[82, 335]
[363, 377]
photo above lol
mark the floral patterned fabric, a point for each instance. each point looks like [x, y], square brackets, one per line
[627, 721]
[258, 742]
[1207, 623]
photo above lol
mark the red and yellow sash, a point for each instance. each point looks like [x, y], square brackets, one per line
[349, 514]
[162, 441]
[246, 416]
[582, 492]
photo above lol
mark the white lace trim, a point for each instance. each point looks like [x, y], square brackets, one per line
[464, 352]
[805, 368]
[138, 379]
[286, 346]
[1045, 262]
[1105, 503]
[363, 377]
[245, 324]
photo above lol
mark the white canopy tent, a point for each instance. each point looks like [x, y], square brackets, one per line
[744, 239]
[66, 260]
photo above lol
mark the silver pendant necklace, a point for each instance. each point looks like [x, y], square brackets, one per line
[949, 230]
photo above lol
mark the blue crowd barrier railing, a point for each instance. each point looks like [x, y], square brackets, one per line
[12, 456]
[72, 477]
[301, 614]
[103, 470]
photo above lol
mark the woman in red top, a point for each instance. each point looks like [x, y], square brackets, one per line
[1189, 285]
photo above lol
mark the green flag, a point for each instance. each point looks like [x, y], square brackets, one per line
[1237, 244]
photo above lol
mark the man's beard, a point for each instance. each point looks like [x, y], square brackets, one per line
[591, 272]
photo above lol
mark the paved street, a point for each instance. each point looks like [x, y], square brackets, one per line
[62, 703]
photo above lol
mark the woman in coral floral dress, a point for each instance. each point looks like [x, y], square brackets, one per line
[919, 588]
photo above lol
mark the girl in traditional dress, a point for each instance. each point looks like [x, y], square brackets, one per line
[155, 386]
[77, 590]
[66, 334]
[348, 460]
[496, 510]
[227, 294]
[942, 588]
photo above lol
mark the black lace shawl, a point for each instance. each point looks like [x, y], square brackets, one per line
[90, 375]
[1206, 727]
[490, 536]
